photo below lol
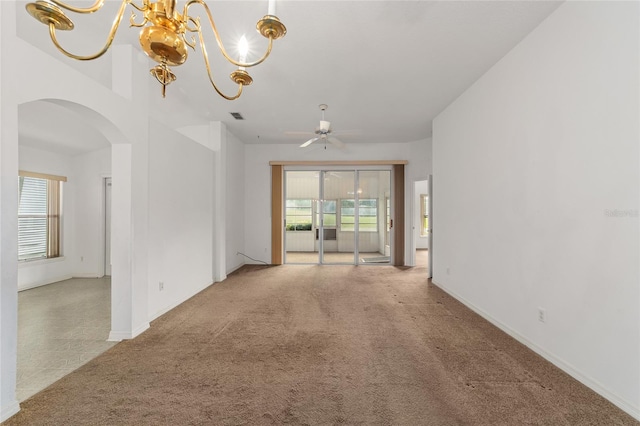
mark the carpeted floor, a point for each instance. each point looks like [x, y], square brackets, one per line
[309, 344]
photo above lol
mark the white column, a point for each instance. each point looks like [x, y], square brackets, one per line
[121, 243]
[140, 231]
[8, 224]
[130, 202]
[219, 141]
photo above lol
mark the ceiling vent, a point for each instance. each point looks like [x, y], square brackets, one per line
[237, 115]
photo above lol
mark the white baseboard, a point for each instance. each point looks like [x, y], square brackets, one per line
[624, 405]
[40, 283]
[117, 336]
[234, 269]
[88, 275]
[179, 302]
[10, 410]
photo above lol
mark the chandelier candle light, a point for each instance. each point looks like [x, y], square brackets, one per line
[163, 36]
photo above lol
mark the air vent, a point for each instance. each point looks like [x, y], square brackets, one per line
[237, 115]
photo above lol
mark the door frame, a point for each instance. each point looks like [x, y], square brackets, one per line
[414, 220]
[107, 187]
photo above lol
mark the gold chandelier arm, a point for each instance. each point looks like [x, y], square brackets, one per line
[195, 22]
[96, 6]
[208, 66]
[142, 8]
[219, 40]
[112, 33]
[132, 21]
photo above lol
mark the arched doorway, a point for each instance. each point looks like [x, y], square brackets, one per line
[61, 138]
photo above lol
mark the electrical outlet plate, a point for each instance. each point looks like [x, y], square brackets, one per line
[161, 286]
[542, 315]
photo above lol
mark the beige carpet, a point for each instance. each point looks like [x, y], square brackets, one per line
[308, 344]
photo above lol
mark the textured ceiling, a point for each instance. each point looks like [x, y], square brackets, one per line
[385, 68]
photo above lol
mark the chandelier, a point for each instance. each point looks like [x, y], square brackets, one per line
[165, 35]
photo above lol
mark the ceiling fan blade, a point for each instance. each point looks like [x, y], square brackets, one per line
[336, 142]
[309, 142]
[348, 132]
[298, 133]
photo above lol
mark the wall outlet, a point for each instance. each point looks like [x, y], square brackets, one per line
[448, 271]
[160, 286]
[81, 258]
[542, 315]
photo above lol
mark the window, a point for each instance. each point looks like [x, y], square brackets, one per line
[367, 214]
[298, 215]
[328, 214]
[39, 212]
[424, 215]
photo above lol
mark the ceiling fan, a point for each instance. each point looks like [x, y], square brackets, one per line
[324, 132]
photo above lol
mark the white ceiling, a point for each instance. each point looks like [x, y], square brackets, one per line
[385, 68]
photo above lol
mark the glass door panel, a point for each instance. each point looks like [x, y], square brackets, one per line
[338, 218]
[374, 189]
[302, 190]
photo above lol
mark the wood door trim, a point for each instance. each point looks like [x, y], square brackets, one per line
[398, 215]
[277, 172]
[339, 163]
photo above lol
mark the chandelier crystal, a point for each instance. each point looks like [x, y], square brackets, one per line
[165, 35]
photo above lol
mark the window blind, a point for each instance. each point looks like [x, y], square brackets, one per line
[32, 218]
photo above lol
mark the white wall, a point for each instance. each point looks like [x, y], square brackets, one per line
[536, 195]
[234, 203]
[39, 272]
[258, 180]
[8, 227]
[422, 152]
[89, 171]
[180, 253]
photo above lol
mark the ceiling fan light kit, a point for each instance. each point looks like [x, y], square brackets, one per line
[163, 36]
[324, 132]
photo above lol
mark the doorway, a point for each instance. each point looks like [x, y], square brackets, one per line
[422, 224]
[337, 216]
[107, 226]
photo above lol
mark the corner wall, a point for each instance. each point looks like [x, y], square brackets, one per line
[89, 170]
[234, 203]
[536, 195]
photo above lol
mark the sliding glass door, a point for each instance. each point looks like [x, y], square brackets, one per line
[338, 244]
[337, 216]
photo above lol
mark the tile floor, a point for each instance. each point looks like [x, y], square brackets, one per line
[61, 326]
